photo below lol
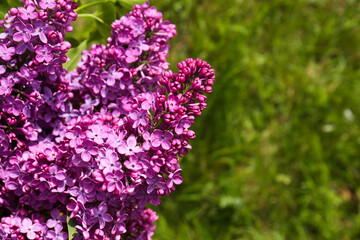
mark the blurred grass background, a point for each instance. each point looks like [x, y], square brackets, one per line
[277, 150]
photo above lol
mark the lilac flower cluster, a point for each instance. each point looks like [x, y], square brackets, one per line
[101, 142]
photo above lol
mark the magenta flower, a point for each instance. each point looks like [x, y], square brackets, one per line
[182, 126]
[158, 138]
[172, 103]
[29, 228]
[13, 106]
[133, 163]
[140, 118]
[43, 53]
[112, 75]
[24, 32]
[97, 134]
[114, 181]
[28, 13]
[109, 162]
[174, 177]
[58, 234]
[6, 53]
[100, 214]
[41, 30]
[86, 149]
[129, 148]
[56, 218]
[89, 104]
[76, 136]
[45, 4]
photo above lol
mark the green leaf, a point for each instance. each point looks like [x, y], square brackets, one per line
[71, 226]
[130, 3]
[107, 13]
[14, 3]
[74, 54]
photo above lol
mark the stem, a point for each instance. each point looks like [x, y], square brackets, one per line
[91, 4]
[94, 17]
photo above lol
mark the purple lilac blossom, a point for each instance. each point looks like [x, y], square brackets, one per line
[100, 142]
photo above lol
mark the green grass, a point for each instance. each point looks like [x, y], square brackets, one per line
[277, 150]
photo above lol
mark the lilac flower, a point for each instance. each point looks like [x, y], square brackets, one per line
[86, 149]
[29, 228]
[174, 177]
[4, 139]
[58, 234]
[96, 133]
[100, 215]
[55, 175]
[111, 75]
[132, 54]
[140, 118]
[85, 192]
[172, 103]
[41, 30]
[28, 13]
[45, 4]
[133, 163]
[158, 138]
[182, 126]
[114, 181]
[6, 86]
[129, 148]
[57, 218]
[24, 32]
[139, 43]
[13, 106]
[76, 136]
[6, 53]
[89, 104]
[109, 162]
[2, 69]
[137, 26]
[22, 47]
[43, 53]
[66, 136]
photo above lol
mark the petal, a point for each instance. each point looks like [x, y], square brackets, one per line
[156, 142]
[166, 144]
[131, 141]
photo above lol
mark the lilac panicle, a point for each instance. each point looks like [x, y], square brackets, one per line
[98, 143]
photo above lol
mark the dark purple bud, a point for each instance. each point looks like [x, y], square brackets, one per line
[62, 3]
[65, 46]
[20, 144]
[52, 34]
[181, 65]
[74, 5]
[62, 87]
[44, 168]
[12, 136]
[43, 15]
[163, 81]
[13, 11]
[210, 82]
[208, 89]
[59, 16]
[34, 97]
[11, 120]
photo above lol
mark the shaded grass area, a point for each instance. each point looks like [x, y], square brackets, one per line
[277, 150]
